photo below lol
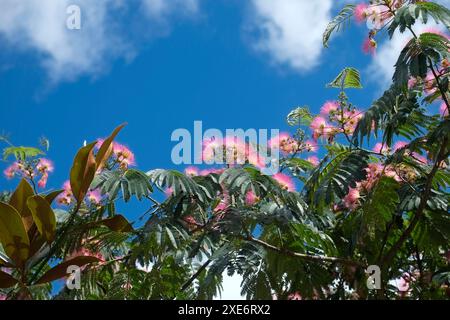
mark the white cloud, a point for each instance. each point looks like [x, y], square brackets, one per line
[290, 31]
[39, 26]
[162, 8]
[231, 287]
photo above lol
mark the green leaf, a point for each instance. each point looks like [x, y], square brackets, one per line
[13, 235]
[105, 150]
[83, 171]
[333, 179]
[407, 15]
[60, 270]
[6, 280]
[348, 78]
[21, 153]
[340, 21]
[43, 216]
[299, 117]
[131, 182]
[19, 202]
[379, 209]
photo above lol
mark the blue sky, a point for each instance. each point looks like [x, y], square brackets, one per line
[160, 65]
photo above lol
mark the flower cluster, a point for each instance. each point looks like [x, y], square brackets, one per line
[120, 155]
[66, 198]
[34, 170]
[335, 118]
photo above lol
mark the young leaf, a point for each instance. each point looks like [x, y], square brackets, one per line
[83, 171]
[105, 150]
[338, 22]
[60, 270]
[348, 78]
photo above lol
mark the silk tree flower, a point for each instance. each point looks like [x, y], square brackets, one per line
[311, 146]
[94, 196]
[351, 199]
[43, 181]
[12, 170]
[251, 198]
[380, 148]
[328, 108]
[124, 156]
[191, 171]
[430, 84]
[44, 166]
[285, 142]
[66, 197]
[313, 160]
[320, 128]
[285, 181]
[412, 82]
[295, 296]
[443, 110]
[369, 46]
[361, 12]
[399, 145]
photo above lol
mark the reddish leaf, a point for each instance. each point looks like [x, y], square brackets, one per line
[83, 171]
[43, 217]
[6, 280]
[106, 148]
[19, 202]
[60, 270]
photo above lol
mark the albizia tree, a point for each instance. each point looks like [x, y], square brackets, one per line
[378, 196]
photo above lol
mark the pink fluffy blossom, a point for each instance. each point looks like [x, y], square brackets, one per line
[12, 170]
[380, 148]
[361, 12]
[329, 107]
[351, 199]
[313, 160]
[124, 156]
[399, 145]
[44, 166]
[191, 171]
[251, 198]
[94, 196]
[311, 146]
[66, 197]
[285, 181]
[43, 181]
[369, 46]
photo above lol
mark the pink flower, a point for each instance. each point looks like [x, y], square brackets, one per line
[351, 199]
[2, 297]
[295, 296]
[94, 196]
[320, 127]
[251, 198]
[12, 170]
[311, 146]
[443, 110]
[399, 145]
[44, 166]
[329, 107]
[168, 192]
[313, 160]
[369, 46]
[191, 171]
[83, 252]
[380, 148]
[361, 12]
[285, 181]
[123, 155]
[403, 283]
[66, 197]
[43, 181]
[412, 82]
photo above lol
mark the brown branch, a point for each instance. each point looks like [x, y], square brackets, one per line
[314, 258]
